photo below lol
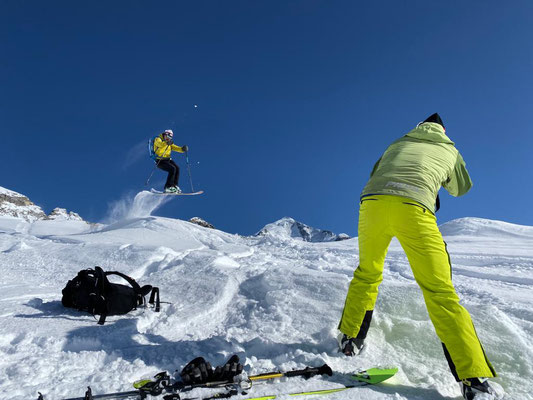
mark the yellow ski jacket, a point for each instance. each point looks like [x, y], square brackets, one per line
[162, 149]
[417, 165]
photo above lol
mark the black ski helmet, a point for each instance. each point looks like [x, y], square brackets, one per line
[435, 118]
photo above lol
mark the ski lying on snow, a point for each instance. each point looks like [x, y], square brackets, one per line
[370, 376]
[154, 191]
[314, 392]
[375, 375]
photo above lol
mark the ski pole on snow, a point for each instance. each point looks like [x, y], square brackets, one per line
[307, 373]
[162, 384]
[189, 169]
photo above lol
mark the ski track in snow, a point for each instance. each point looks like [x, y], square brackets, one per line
[274, 300]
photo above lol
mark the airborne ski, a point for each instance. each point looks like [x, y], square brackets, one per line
[154, 191]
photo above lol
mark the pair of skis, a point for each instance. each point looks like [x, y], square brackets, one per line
[154, 191]
[161, 385]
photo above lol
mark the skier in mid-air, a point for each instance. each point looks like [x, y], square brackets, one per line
[163, 147]
[400, 200]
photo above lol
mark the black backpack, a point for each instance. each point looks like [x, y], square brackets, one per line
[91, 291]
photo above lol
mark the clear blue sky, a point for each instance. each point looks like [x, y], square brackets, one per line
[296, 101]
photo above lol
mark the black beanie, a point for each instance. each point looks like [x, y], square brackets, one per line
[435, 118]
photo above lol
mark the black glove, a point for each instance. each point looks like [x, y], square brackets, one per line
[185, 148]
[229, 370]
[197, 371]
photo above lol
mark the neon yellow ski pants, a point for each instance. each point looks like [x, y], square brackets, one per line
[380, 219]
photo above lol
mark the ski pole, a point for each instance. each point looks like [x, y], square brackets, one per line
[371, 376]
[156, 165]
[150, 177]
[144, 388]
[307, 373]
[110, 396]
[189, 170]
[161, 385]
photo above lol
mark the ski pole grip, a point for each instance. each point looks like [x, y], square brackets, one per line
[309, 372]
[325, 370]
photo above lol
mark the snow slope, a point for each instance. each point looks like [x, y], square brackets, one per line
[275, 301]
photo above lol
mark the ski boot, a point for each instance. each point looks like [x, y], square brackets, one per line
[170, 189]
[177, 189]
[476, 389]
[350, 346]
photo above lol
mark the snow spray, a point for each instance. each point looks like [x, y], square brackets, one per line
[142, 205]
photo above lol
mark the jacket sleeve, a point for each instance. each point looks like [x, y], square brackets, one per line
[376, 165]
[459, 182]
[177, 148]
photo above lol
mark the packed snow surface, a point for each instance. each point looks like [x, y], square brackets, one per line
[273, 300]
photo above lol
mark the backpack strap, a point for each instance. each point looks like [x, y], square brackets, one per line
[155, 296]
[99, 295]
[139, 292]
[130, 280]
[151, 148]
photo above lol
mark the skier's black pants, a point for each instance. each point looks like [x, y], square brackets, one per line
[173, 172]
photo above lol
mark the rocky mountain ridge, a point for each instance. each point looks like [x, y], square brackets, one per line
[17, 205]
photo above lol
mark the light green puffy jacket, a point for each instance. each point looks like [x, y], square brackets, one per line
[417, 165]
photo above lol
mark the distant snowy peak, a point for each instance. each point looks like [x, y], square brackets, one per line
[63, 215]
[471, 226]
[288, 227]
[13, 204]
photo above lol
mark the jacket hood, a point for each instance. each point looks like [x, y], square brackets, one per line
[430, 132]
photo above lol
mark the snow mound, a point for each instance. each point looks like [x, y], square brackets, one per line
[471, 226]
[290, 228]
